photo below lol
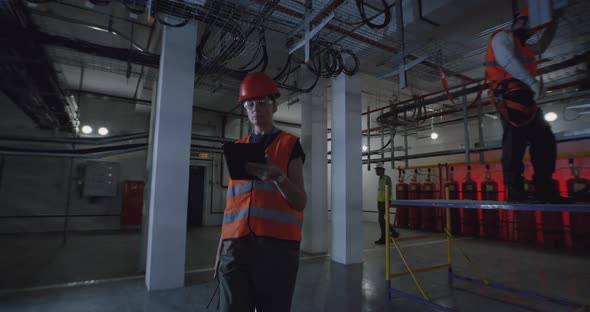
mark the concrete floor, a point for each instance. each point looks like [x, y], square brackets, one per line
[43, 259]
[321, 285]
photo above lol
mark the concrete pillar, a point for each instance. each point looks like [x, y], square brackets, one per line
[347, 185]
[172, 126]
[145, 212]
[314, 117]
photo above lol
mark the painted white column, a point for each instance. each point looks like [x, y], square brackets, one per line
[172, 126]
[314, 131]
[145, 211]
[347, 185]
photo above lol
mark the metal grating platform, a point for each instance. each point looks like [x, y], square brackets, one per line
[473, 204]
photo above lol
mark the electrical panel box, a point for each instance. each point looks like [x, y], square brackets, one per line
[101, 179]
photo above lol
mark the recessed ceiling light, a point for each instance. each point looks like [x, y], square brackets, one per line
[365, 148]
[87, 129]
[551, 116]
[434, 135]
[103, 131]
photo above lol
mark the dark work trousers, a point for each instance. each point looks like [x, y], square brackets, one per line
[381, 211]
[257, 272]
[543, 149]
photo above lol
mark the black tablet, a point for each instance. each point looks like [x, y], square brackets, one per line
[238, 154]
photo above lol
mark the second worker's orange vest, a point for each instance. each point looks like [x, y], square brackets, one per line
[495, 72]
[258, 206]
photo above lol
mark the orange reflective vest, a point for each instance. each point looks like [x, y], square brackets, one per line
[258, 206]
[495, 72]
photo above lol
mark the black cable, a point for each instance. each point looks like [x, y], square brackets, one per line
[360, 4]
[282, 72]
[230, 27]
[263, 61]
[355, 68]
[300, 90]
[327, 64]
[333, 63]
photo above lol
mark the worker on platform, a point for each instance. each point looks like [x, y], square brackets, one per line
[258, 253]
[383, 181]
[511, 68]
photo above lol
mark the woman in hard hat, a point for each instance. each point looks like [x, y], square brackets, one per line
[258, 254]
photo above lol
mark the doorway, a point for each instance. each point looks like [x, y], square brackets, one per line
[196, 196]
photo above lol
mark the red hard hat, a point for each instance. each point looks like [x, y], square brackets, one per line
[257, 85]
[523, 12]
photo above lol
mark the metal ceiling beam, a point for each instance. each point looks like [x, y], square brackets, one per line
[195, 108]
[322, 18]
[422, 101]
[371, 42]
[121, 54]
[33, 86]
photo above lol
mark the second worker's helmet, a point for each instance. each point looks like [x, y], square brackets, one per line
[522, 13]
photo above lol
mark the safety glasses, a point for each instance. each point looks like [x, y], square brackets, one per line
[250, 104]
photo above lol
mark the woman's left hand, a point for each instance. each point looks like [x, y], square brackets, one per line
[265, 172]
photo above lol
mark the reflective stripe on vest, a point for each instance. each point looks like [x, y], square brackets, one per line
[250, 186]
[258, 206]
[495, 72]
[264, 213]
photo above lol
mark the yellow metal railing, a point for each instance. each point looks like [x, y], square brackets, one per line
[411, 271]
[483, 280]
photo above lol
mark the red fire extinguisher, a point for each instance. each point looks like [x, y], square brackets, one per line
[552, 223]
[132, 202]
[491, 218]
[470, 216]
[579, 189]
[414, 193]
[401, 192]
[453, 187]
[526, 225]
[427, 213]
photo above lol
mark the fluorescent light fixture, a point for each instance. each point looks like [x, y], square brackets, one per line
[103, 131]
[551, 116]
[87, 129]
[137, 47]
[365, 148]
[434, 135]
[97, 28]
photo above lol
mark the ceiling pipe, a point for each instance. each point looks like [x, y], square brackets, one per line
[96, 27]
[422, 101]
[195, 108]
[462, 151]
[79, 141]
[488, 103]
